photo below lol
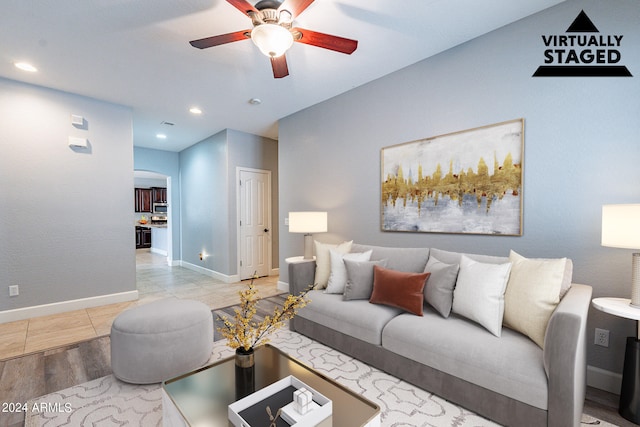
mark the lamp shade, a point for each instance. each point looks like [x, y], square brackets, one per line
[272, 39]
[307, 222]
[621, 226]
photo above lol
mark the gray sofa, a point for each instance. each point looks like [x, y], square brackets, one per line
[508, 379]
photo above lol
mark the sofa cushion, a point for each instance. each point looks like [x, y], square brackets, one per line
[454, 257]
[360, 278]
[510, 365]
[398, 289]
[323, 261]
[479, 293]
[438, 292]
[338, 275]
[358, 318]
[411, 260]
[532, 294]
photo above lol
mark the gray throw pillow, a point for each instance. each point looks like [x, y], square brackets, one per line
[438, 292]
[360, 278]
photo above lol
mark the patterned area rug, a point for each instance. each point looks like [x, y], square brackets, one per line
[109, 402]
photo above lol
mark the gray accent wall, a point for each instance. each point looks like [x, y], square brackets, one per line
[581, 150]
[204, 203]
[208, 196]
[65, 216]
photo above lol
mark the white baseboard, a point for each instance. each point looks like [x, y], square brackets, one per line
[274, 272]
[211, 273]
[159, 251]
[64, 306]
[604, 380]
[283, 286]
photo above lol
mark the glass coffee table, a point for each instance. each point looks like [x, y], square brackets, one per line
[202, 397]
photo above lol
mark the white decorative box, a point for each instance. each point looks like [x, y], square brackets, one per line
[319, 409]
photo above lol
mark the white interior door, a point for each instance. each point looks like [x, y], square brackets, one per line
[255, 223]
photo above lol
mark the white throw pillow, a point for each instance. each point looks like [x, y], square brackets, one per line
[479, 293]
[532, 294]
[323, 261]
[338, 276]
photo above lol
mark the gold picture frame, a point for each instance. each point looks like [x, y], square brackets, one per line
[466, 182]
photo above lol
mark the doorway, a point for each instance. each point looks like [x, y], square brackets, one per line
[254, 224]
[163, 235]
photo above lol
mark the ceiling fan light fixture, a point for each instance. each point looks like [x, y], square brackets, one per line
[273, 40]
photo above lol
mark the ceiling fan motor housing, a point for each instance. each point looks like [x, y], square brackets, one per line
[270, 14]
[268, 4]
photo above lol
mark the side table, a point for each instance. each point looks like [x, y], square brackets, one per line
[296, 259]
[629, 406]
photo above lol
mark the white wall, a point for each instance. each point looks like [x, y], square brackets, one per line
[581, 149]
[65, 214]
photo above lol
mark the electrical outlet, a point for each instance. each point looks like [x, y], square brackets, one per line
[14, 291]
[602, 337]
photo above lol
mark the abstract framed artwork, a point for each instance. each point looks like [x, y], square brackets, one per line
[467, 182]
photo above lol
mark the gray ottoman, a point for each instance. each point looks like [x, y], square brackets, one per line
[161, 340]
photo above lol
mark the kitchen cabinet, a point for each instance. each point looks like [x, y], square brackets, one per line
[143, 237]
[142, 199]
[159, 194]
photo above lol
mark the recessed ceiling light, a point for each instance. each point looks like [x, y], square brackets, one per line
[161, 136]
[195, 110]
[255, 101]
[24, 66]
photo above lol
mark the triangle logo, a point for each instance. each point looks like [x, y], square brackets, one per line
[582, 24]
[582, 55]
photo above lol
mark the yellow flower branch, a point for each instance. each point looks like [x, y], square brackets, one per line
[244, 332]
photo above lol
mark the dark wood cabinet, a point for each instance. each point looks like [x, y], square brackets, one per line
[143, 199]
[159, 194]
[143, 237]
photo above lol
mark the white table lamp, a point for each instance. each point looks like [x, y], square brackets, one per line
[307, 223]
[621, 229]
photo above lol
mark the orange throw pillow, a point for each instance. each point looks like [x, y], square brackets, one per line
[399, 289]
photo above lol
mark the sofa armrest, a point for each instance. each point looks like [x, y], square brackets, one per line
[565, 357]
[301, 275]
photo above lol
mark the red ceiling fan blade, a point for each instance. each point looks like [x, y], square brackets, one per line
[296, 7]
[243, 6]
[279, 65]
[326, 41]
[221, 39]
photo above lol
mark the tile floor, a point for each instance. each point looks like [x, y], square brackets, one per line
[154, 279]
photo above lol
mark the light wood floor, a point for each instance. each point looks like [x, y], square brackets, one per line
[154, 279]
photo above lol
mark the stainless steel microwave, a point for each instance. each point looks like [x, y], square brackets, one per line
[160, 208]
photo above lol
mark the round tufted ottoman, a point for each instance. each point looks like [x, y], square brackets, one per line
[161, 340]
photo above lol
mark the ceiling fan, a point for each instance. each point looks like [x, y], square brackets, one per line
[274, 34]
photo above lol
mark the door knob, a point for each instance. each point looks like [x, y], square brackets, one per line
[266, 230]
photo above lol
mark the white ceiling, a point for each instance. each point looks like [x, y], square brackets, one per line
[136, 53]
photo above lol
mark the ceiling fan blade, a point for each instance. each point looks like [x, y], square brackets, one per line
[326, 41]
[221, 39]
[243, 6]
[296, 7]
[279, 65]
